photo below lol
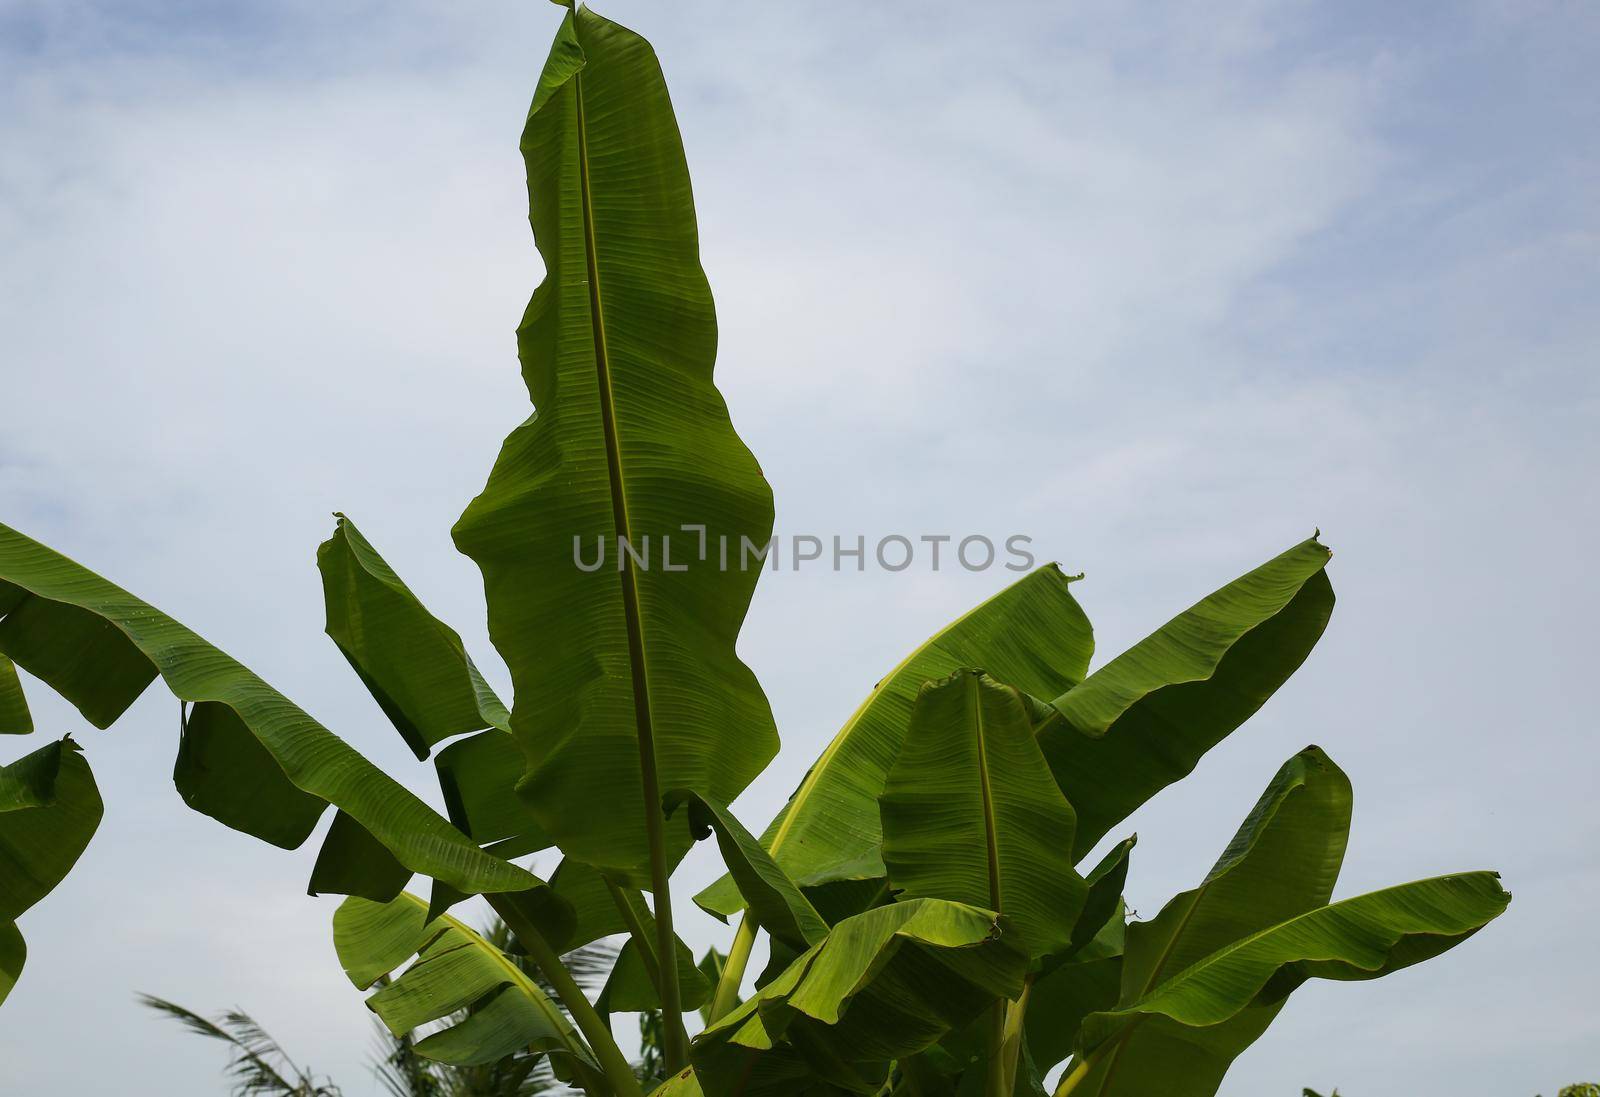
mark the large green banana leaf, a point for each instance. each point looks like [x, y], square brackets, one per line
[1282, 862]
[775, 901]
[881, 986]
[15, 719]
[1032, 635]
[1144, 720]
[412, 663]
[1361, 938]
[456, 969]
[971, 814]
[626, 677]
[99, 647]
[49, 809]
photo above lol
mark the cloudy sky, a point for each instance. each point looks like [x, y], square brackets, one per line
[1163, 286]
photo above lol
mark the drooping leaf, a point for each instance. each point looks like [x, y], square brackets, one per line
[1282, 862]
[455, 969]
[225, 772]
[1032, 635]
[353, 862]
[1144, 720]
[1361, 938]
[624, 677]
[881, 986]
[776, 903]
[49, 809]
[99, 647]
[15, 719]
[13, 954]
[971, 814]
[412, 663]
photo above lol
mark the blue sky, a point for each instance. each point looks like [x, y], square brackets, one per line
[1164, 288]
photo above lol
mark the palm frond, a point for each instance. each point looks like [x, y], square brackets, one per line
[257, 1064]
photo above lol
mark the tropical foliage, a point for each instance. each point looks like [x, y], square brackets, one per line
[258, 1066]
[936, 922]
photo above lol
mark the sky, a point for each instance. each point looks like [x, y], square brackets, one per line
[1162, 286]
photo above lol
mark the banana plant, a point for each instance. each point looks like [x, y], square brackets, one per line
[936, 920]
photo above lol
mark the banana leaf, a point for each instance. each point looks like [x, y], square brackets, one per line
[49, 809]
[456, 969]
[13, 955]
[353, 862]
[1032, 635]
[99, 647]
[1104, 901]
[881, 986]
[412, 663]
[971, 814]
[15, 719]
[224, 771]
[1282, 862]
[1361, 938]
[626, 678]
[1145, 719]
[632, 985]
[478, 778]
[777, 904]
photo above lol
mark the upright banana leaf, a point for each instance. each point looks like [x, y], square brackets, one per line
[883, 985]
[1032, 635]
[1283, 861]
[1145, 719]
[625, 676]
[456, 969]
[15, 719]
[49, 809]
[412, 663]
[1362, 938]
[971, 814]
[99, 647]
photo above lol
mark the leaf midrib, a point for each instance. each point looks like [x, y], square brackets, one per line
[649, 777]
[991, 842]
